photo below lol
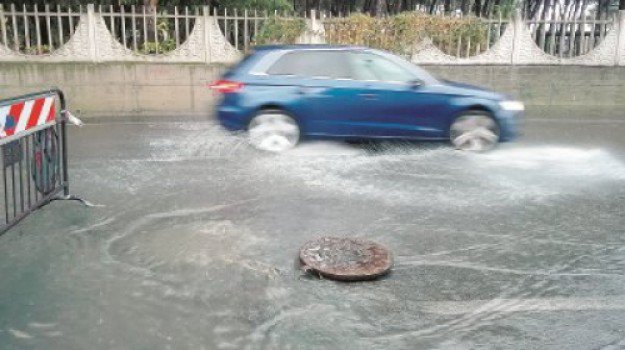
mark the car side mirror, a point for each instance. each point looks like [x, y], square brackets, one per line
[415, 84]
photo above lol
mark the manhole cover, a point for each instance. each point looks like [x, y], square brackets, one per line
[346, 259]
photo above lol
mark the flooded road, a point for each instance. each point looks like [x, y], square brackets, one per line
[196, 245]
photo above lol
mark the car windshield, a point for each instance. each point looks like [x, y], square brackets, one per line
[419, 73]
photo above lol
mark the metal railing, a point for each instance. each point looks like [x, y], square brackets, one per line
[34, 160]
[569, 37]
[241, 27]
[149, 31]
[35, 30]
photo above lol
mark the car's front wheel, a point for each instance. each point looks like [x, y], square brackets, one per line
[474, 131]
[273, 131]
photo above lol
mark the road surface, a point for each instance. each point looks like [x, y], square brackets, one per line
[196, 245]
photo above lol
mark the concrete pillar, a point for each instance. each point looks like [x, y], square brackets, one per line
[208, 28]
[517, 25]
[619, 57]
[314, 34]
[313, 18]
[92, 37]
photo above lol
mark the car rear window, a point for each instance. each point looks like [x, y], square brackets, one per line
[230, 70]
[314, 63]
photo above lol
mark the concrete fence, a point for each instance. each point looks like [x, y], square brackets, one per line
[92, 41]
[97, 35]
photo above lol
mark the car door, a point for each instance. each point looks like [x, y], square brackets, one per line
[397, 102]
[332, 107]
[327, 98]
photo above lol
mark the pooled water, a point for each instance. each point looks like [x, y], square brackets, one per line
[197, 246]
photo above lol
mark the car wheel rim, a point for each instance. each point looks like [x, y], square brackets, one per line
[273, 132]
[474, 133]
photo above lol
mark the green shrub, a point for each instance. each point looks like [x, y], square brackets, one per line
[263, 5]
[457, 36]
[165, 41]
[151, 48]
[399, 33]
[34, 50]
[280, 30]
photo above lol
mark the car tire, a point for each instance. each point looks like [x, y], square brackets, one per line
[273, 130]
[475, 131]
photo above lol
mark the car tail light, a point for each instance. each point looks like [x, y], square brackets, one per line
[226, 86]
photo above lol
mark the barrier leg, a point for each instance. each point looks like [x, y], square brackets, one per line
[64, 157]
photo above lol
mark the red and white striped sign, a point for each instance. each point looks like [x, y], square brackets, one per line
[25, 115]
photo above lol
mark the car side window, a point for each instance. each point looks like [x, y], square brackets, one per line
[368, 66]
[312, 63]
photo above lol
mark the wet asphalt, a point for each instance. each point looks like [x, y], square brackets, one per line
[195, 245]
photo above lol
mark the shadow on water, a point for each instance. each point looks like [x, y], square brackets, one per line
[396, 146]
[363, 147]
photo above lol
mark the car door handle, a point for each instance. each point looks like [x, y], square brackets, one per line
[307, 90]
[368, 96]
[312, 92]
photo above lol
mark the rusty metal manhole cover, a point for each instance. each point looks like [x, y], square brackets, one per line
[346, 259]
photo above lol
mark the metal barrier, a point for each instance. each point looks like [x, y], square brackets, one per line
[33, 148]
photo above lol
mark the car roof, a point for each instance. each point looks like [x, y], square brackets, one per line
[308, 47]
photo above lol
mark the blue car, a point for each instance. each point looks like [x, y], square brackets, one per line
[282, 94]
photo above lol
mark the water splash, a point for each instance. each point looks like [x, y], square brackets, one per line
[413, 175]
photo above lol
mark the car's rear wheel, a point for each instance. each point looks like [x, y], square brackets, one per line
[474, 131]
[273, 131]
